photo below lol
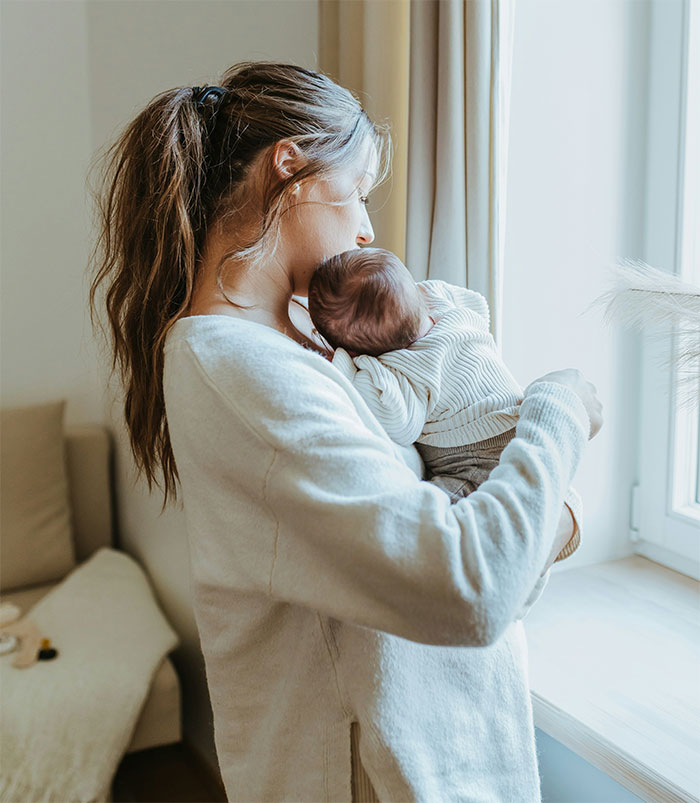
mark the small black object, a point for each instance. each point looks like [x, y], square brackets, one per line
[201, 93]
[47, 654]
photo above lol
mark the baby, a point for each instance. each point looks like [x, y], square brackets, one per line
[423, 358]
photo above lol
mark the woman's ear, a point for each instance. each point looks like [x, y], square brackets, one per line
[287, 159]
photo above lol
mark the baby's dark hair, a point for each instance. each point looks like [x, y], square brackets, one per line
[363, 301]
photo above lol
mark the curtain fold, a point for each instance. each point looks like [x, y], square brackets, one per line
[440, 72]
[364, 46]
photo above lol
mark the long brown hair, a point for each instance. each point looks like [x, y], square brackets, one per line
[178, 168]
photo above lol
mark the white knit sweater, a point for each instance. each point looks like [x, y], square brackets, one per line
[450, 387]
[331, 584]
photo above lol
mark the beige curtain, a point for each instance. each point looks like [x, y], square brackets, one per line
[439, 71]
[364, 46]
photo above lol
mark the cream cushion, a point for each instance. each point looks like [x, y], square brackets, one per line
[36, 540]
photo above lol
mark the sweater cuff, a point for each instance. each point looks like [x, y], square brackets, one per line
[555, 390]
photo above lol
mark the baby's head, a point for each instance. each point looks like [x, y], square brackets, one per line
[366, 301]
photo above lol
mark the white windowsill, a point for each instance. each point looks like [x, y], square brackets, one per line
[614, 663]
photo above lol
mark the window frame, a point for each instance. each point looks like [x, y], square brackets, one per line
[668, 511]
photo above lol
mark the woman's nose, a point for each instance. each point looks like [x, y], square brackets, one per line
[366, 233]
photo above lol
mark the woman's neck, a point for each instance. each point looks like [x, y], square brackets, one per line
[263, 292]
[265, 296]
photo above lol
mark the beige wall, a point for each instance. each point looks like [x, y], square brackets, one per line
[46, 346]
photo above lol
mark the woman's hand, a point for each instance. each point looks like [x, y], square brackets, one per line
[565, 532]
[574, 379]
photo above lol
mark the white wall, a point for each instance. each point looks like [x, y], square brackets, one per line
[568, 778]
[575, 203]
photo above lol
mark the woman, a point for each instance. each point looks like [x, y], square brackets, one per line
[359, 632]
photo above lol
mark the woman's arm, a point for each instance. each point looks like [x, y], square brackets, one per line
[565, 544]
[381, 549]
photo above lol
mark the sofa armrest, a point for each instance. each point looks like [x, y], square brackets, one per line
[160, 718]
[89, 465]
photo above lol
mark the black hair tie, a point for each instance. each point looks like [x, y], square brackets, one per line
[201, 93]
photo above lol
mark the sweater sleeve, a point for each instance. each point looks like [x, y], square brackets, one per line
[457, 296]
[535, 594]
[400, 405]
[358, 537]
[573, 502]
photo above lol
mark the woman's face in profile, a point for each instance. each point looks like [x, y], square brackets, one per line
[316, 229]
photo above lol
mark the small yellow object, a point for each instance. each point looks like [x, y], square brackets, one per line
[45, 643]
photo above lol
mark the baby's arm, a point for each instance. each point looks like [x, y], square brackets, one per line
[399, 404]
[455, 296]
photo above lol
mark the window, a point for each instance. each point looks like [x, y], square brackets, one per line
[667, 517]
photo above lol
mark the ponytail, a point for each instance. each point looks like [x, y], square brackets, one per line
[150, 214]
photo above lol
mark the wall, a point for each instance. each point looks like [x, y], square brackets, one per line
[568, 778]
[575, 203]
[47, 348]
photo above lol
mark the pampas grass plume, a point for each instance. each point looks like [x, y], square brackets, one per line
[644, 297]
